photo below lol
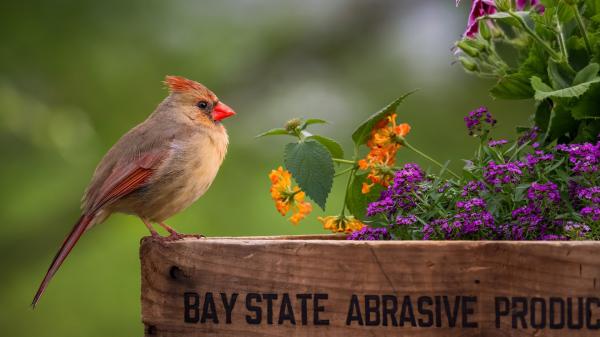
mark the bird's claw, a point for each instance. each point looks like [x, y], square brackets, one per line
[174, 236]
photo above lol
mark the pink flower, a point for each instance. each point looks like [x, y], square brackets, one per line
[479, 8]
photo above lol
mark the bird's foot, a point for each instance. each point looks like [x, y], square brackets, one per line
[174, 235]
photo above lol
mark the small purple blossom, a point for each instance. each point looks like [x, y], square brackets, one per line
[576, 230]
[400, 194]
[584, 158]
[494, 143]
[502, 174]
[473, 187]
[543, 192]
[552, 237]
[590, 194]
[531, 160]
[529, 136]
[370, 234]
[591, 212]
[406, 220]
[476, 119]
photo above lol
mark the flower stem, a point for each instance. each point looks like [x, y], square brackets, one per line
[536, 37]
[581, 26]
[337, 174]
[353, 169]
[343, 161]
[405, 143]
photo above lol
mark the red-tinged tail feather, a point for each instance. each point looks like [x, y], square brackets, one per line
[62, 253]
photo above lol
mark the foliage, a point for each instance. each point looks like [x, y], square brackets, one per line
[510, 191]
[557, 44]
[310, 159]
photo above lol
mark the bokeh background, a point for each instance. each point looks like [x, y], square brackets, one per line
[75, 75]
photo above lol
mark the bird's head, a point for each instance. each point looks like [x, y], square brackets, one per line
[195, 102]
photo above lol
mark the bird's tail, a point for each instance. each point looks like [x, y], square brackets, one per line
[70, 241]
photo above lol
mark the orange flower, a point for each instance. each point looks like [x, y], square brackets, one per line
[385, 141]
[287, 197]
[341, 224]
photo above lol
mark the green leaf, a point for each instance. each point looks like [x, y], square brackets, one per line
[513, 86]
[311, 166]
[557, 75]
[562, 126]
[542, 114]
[311, 121]
[356, 201]
[361, 134]
[587, 107]
[543, 91]
[274, 132]
[334, 147]
[589, 73]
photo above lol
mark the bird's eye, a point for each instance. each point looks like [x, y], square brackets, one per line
[202, 105]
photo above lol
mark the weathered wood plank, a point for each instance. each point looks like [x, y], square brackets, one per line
[406, 288]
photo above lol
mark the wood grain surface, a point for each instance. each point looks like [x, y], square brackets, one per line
[318, 286]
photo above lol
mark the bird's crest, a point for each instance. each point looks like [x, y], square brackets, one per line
[182, 84]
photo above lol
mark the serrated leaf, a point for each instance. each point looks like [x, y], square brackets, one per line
[513, 86]
[356, 201]
[361, 134]
[587, 74]
[311, 166]
[542, 90]
[334, 147]
[274, 132]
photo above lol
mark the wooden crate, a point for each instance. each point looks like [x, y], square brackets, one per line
[322, 286]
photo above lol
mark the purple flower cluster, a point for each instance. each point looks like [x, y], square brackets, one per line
[406, 220]
[584, 157]
[539, 193]
[400, 194]
[502, 174]
[370, 234]
[529, 136]
[590, 194]
[532, 159]
[479, 121]
[531, 193]
[473, 187]
[591, 213]
[471, 217]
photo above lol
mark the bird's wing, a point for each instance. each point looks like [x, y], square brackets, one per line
[126, 176]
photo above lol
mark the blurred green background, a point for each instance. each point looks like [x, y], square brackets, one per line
[75, 75]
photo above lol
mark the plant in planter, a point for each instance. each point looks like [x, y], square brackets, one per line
[547, 50]
[538, 187]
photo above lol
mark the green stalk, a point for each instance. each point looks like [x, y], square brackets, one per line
[337, 174]
[343, 161]
[581, 26]
[347, 189]
[405, 143]
[536, 37]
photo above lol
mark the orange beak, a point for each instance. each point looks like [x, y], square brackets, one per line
[222, 111]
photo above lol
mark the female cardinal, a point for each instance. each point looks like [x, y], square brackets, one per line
[158, 168]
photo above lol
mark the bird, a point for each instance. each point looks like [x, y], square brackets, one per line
[156, 169]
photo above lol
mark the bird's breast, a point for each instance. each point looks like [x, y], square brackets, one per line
[183, 178]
